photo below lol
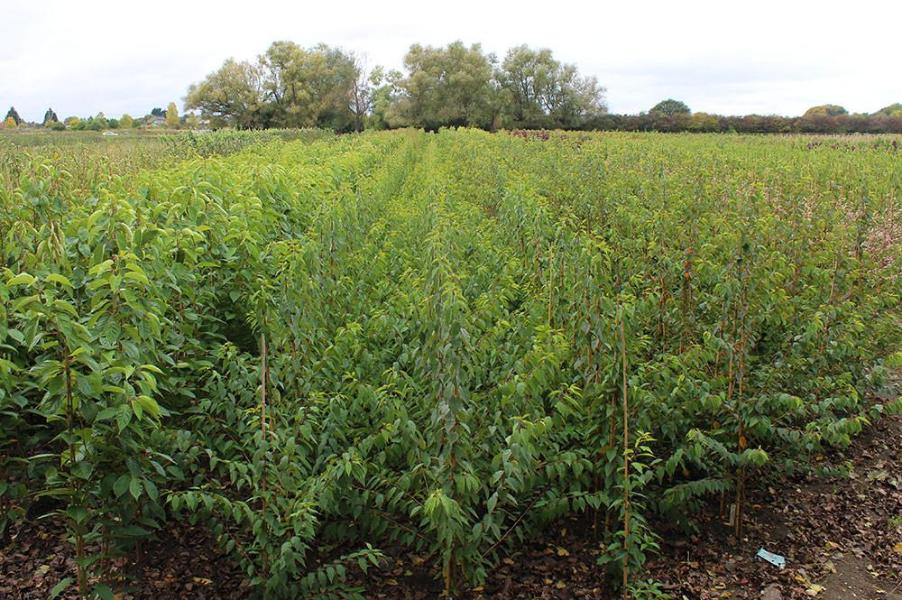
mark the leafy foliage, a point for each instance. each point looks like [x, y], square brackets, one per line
[826, 110]
[14, 115]
[540, 92]
[324, 347]
[288, 86]
[670, 107]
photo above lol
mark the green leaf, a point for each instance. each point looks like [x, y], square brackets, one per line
[151, 488]
[103, 592]
[493, 500]
[149, 405]
[60, 587]
[20, 279]
[101, 268]
[83, 469]
[138, 277]
[60, 279]
[123, 418]
[122, 484]
[134, 487]
[107, 413]
[755, 456]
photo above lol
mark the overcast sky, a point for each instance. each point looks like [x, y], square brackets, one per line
[728, 57]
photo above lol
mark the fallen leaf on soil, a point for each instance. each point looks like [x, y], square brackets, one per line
[814, 589]
[878, 475]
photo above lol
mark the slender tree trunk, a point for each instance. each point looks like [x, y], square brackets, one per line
[626, 461]
[70, 424]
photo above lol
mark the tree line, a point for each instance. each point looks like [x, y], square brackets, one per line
[168, 118]
[459, 85]
[674, 116]
[290, 86]
[455, 85]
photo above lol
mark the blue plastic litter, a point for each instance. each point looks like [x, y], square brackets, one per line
[774, 559]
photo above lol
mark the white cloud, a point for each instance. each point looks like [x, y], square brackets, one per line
[725, 57]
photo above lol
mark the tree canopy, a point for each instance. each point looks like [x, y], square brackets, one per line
[539, 91]
[447, 86]
[50, 118]
[826, 110]
[172, 116]
[893, 110]
[670, 107]
[11, 113]
[288, 86]
[231, 95]
[453, 85]
[459, 85]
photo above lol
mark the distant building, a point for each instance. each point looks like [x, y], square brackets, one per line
[154, 121]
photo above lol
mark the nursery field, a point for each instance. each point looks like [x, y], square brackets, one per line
[323, 350]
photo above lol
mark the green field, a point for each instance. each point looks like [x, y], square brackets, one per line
[325, 348]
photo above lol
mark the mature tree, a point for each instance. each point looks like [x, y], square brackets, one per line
[449, 86]
[826, 110]
[539, 91]
[893, 110]
[50, 118]
[172, 116]
[826, 118]
[670, 108]
[72, 122]
[340, 82]
[386, 92]
[289, 86]
[157, 112]
[126, 121]
[309, 87]
[95, 123]
[524, 77]
[701, 121]
[231, 95]
[362, 99]
[12, 113]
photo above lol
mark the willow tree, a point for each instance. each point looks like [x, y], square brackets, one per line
[230, 96]
[539, 91]
[450, 86]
